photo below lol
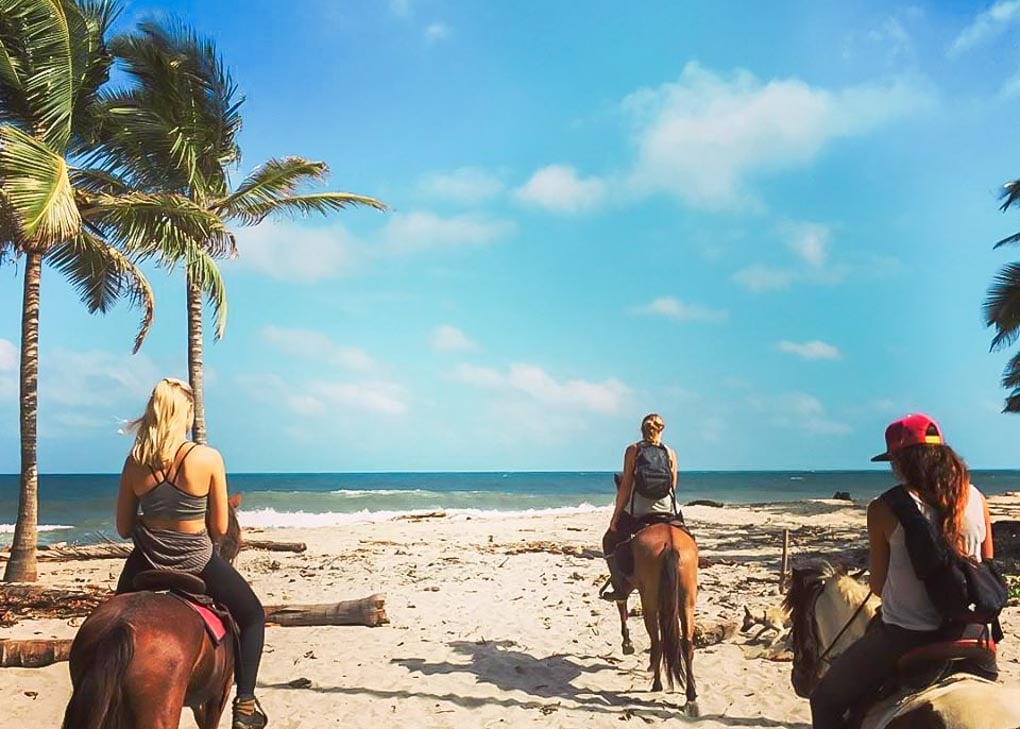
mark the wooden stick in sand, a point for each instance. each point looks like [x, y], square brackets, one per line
[786, 559]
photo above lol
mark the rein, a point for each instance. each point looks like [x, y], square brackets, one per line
[839, 635]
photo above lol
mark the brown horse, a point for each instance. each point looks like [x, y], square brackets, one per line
[666, 577]
[141, 657]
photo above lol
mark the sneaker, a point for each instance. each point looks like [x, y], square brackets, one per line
[248, 714]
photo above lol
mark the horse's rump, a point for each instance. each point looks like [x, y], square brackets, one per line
[97, 675]
[960, 701]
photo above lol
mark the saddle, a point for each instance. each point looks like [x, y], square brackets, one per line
[190, 590]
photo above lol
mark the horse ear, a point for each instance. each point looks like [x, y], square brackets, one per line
[235, 500]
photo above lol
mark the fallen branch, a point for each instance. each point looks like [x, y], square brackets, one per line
[30, 601]
[120, 550]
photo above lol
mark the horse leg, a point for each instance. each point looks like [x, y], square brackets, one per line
[687, 651]
[628, 647]
[650, 609]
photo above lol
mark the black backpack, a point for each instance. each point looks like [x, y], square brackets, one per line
[653, 471]
[961, 590]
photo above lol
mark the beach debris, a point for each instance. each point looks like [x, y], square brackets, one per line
[300, 683]
[30, 601]
[368, 611]
[572, 550]
[33, 653]
[708, 632]
[842, 496]
[706, 502]
[420, 517]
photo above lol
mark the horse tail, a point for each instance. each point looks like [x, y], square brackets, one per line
[669, 615]
[97, 701]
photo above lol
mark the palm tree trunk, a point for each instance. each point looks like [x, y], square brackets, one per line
[22, 566]
[195, 358]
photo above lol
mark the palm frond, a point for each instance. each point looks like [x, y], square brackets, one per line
[1010, 194]
[166, 225]
[271, 189]
[203, 271]
[99, 182]
[178, 123]
[101, 275]
[37, 188]
[1002, 306]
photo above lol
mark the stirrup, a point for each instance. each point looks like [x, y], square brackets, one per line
[611, 595]
[255, 720]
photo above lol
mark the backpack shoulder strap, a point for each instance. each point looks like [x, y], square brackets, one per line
[926, 549]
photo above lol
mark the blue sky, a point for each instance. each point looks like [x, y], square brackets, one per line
[773, 225]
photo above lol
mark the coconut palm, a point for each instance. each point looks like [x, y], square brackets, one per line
[1002, 307]
[53, 59]
[174, 129]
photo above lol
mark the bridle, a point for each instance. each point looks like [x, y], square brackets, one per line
[825, 653]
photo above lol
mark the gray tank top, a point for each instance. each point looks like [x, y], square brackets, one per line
[167, 501]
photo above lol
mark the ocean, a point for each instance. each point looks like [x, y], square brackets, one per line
[79, 508]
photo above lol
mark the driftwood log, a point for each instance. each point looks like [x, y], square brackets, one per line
[120, 550]
[33, 653]
[707, 632]
[368, 611]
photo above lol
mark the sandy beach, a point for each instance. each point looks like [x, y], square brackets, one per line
[488, 627]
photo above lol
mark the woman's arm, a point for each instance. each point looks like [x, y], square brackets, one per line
[673, 466]
[626, 486]
[127, 503]
[988, 546]
[217, 518]
[878, 540]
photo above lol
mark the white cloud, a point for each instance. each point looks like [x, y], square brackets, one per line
[603, 397]
[290, 252]
[420, 231]
[675, 309]
[401, 8]
[988, 24]
[8, 356]
[815, 349]
[806, 412]
[810, 241]
[560, 189]
[329, 398]
[763, 278]
[447, 338]
[386, 398]
[436, 32]
[704, 137]
[467, 185]
[316, 345]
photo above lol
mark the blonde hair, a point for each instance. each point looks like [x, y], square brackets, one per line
[170, 410]
[652, 426]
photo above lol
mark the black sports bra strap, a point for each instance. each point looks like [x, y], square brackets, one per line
[180, 464]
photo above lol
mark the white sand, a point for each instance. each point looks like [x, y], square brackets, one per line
[482, 638]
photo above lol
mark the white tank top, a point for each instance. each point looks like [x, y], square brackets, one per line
[904, 600]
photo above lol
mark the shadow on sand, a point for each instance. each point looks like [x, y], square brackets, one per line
[497, 664]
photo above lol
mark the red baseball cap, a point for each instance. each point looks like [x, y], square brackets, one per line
[913, 429]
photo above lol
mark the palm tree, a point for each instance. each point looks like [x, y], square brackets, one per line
[175, 130]
[53, 59]
[1002, 307]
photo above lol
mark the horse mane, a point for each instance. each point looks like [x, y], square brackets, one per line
[805, 587]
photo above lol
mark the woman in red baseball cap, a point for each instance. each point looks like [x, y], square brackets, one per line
[937, 480]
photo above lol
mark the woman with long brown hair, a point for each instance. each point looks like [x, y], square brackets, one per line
[937, 480]
[172, 503]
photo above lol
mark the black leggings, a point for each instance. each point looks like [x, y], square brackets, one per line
[861, 670]
[229, 589]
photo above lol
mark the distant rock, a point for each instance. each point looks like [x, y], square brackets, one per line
[705, 502]
[842, 496]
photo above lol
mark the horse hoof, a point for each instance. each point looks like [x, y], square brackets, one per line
[628, 649]
[691, 709]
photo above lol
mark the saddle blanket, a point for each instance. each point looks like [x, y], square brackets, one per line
[214, 624]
